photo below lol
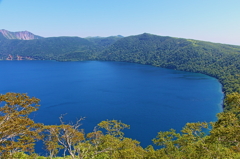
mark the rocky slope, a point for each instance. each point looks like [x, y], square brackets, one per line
[21, 35]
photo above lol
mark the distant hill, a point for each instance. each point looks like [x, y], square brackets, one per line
[97, 45]
[21, 35]
[44, 48]
[167, 51]
[54, 48]
[104, 41]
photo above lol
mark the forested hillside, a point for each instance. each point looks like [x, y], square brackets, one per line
[46, 48]
[98, 44]
[55, 48]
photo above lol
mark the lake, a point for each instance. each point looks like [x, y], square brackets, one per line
[149, 99]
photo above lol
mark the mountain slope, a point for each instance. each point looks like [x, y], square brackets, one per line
[45, 48]
[22, 35]
[56, 48]
[104, 41]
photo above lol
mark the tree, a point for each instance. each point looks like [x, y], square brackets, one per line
[112, 145]
[66, 136]
[17, 131]
[114, 127]
[50, 140]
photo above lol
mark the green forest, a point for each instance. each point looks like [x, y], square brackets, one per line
[218, 139]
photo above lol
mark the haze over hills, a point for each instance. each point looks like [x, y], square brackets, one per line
[218, 60]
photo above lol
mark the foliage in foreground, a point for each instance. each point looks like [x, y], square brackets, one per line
[18, 135]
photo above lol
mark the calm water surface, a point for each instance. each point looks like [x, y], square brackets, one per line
[148, 98]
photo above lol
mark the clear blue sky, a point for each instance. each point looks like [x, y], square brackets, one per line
[208, 20]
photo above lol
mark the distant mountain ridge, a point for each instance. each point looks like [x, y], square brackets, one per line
[21, 35]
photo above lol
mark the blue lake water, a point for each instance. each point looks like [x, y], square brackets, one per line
[149, 99]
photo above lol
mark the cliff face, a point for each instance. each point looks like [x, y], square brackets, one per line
[22, 35]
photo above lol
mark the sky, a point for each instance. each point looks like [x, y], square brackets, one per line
[208, 20]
